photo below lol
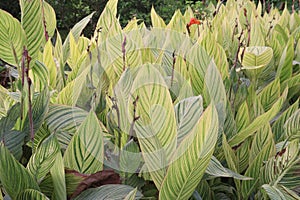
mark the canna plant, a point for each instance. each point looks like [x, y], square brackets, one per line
[196, 108]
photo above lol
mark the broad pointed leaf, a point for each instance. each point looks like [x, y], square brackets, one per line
[85, 152]
[12, 39]
[191, 158]
[11, 172]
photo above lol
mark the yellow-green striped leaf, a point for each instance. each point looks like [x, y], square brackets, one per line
[70, 94]
[253, 170]
[279, 192]
[50, 18]
[270, 94]
[29, 194]
[292, 125]
[285, 165]
[156, 20]
[256, 57]
[156, 126]
[44, 157]
[85, 151]
[278, 126]
[191, 158]
[32, 23]
[76, 32]
[59, 180]
[187, 112]
[258, 122]
[105, 192]
[11, 172]
[12, 39]
[48, 60]
[285, 68]
[131, 195]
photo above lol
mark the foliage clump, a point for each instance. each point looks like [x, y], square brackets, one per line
[203, 106]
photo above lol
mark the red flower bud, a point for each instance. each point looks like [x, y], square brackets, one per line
[194, 21]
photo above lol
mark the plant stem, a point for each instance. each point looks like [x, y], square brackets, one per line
[44, 22]
[135, 118]
[173, 67]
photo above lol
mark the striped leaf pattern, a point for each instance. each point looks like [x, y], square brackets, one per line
[32, 23]
[285, 68]
[31, 194]
[59, 179]
[111, 191]
[191, 158]
[256, 57]
[257, 123]
[12, 39]
[156, 20]
[44, 157]
[76, 32]
[12, 172]
[187, 112]
[85, 151]
[50, 18]
[156, 127]
[64, 118]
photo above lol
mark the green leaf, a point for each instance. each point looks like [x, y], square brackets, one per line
[270, 94]
[156, 126]
[257, 36]
[112, 191]
[131, 195]
[285, 165]
[285, 68]
[85, 152]
[187, 113]
[256, 57]
[44, 157]
[40, 75]
[49, 62]
[205, 190]
[30, 194]
[292, 125]
[191, 158]
[258, 122]
[242, 117]
[216, 51]
[13, 139]
[39, 111]
[280, 192]
[156, 20]
[59, 180]
[130, 158]
[12, 39]
[278, 126]
[253, 170]
[11, 172]
[198, 62]
[70, 94]
[64, 121]
[76, 32]
[50, 18]
[32, 23]
[216, 169]
[215, 92]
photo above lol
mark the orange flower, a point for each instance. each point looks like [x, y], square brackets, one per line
[194, 21]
